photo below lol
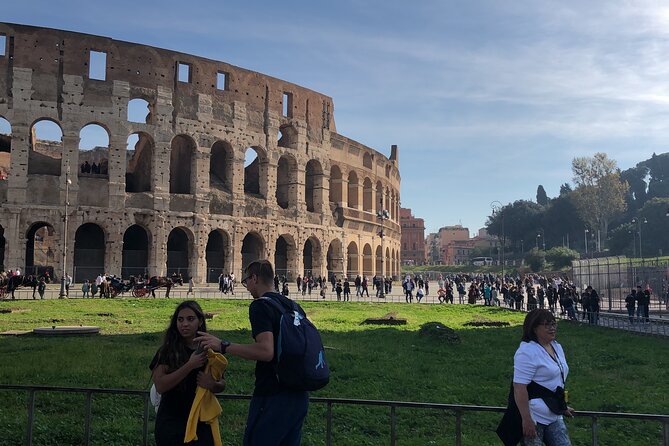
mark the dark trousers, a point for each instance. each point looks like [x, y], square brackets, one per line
[276, 420]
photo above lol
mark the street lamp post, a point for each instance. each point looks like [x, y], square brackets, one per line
[585, 240]
[638, 222]
[633, 242]
[383, 215]
[63, 293]
[497, 206]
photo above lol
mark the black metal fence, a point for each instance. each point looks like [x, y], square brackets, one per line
[457, 411]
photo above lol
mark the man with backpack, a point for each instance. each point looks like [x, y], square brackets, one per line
[280, 397]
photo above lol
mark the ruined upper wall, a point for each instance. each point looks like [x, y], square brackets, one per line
[52, 54]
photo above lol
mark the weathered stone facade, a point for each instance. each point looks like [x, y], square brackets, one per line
[182, 198]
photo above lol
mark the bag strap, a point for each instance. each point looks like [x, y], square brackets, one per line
[279, 305]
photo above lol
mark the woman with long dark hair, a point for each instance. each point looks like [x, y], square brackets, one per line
[178, 369]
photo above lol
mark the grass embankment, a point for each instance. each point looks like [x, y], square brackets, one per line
[610, 371]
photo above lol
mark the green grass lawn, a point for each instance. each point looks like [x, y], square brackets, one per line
[610, 371]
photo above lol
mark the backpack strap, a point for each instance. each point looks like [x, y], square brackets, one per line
[282, 308]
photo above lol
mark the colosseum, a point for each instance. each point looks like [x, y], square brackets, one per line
[133, 159]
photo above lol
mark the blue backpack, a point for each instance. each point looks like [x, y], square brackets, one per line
[300, 357]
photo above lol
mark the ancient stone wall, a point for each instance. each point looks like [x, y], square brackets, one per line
[177, 194]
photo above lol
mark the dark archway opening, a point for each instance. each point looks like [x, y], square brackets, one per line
[40, 249]
[177, 253]
[252, 249]
[89, 252]
[135, 252]
[217, 248]
[181, 159]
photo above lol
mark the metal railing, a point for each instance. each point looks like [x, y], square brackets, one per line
[457, 411]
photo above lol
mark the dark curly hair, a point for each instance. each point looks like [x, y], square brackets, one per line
[174, 352]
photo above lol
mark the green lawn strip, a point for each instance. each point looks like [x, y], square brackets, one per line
[610, 371]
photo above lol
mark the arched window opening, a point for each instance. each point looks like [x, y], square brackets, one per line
[286, 182]
[389, 264]
[5, 148]
[367, 196]
[313, 186]
[367, 160]
[352, 266]
[178, 253]
[89, 252]
[41, 245]
[284, 256]
[379, 196]
[335, 259]
[353, 190]
[252, 249]
[218, 244]
[379, 261]
[135, 259]
[139, 163]
[2, 249]
[46, 148]
[367, 261]
[139, 111]
[221, 166]
[252, 172]
[335, 185]
[181, 160]
[93, 151]
[287, 137]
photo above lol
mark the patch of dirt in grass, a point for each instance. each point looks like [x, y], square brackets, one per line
[481, 321]
[388, 319]
[437, 330]
[13, 310]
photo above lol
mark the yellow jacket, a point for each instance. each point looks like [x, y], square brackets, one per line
[206, 407]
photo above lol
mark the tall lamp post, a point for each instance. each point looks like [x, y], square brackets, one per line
[63, 293]
[638, 222]
[383, 215]
[585, 240]
[496, 207]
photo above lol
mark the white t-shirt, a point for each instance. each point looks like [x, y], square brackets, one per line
[533, 363]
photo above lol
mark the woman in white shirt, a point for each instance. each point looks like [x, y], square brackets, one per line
[540, 359]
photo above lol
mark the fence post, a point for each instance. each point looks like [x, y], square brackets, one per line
[87, 418]
[458, 428]
[145, 421]
[665, 433]
[393, 423]
[328, 425]
[31, 416]
[593, 428]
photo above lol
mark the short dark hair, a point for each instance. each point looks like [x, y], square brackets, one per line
[534, 318]
[262, 269]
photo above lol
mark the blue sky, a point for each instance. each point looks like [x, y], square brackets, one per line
[485, 99]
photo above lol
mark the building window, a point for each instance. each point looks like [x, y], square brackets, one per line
[3, 45]
[222, 80]
[287, 105]
[97, 65]
[184, 72]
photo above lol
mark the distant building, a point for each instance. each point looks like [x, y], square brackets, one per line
[457, 252]
[432, 249]
[447, 248]
[413, 238]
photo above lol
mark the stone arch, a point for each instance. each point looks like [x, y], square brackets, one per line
[378, 270]
[217, 254]
[41, 245]
[379, 197]
[311, 256]
[5, 148]
[392, 204]
[353, 187]
[335, 259]
[286, 182]
[135, 257]
[182, 150]
[335, 195]
[367, 260]
[139, 163]
[89, 252]
[93, 150]
[389, 264]
[313, 186]
[179, 247]
[255, 172]
[287, 136]
[46, 148]
[367, 195]
[253, 248]
[221, 166]
[352, 260]
[284, 255]
[367, 160]
[139, 111]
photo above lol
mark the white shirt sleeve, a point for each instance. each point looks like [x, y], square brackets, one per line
[524, 364]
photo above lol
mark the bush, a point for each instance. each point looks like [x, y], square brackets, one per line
[561, 256]
[536, 259]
